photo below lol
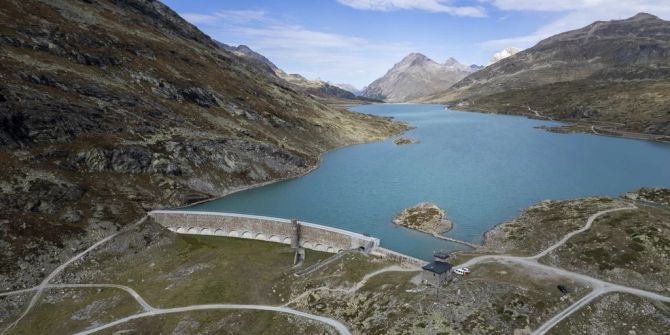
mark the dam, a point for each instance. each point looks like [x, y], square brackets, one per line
[293, 232]
[296, 233]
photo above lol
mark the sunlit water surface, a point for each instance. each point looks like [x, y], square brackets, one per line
[481, 168]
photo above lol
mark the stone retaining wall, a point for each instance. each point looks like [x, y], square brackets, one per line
[404, 260]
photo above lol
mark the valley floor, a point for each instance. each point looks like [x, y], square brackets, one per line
[611, 254]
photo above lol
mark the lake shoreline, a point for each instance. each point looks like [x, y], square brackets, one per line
[307, 171]
[360, 189]
[575, 126]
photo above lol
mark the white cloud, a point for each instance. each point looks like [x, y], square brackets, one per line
[543, 5]
[232, 16]
[578, 14]
[313, 54]
[436, 6]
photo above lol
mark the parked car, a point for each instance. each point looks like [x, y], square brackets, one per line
[563, 289]
[461, 271]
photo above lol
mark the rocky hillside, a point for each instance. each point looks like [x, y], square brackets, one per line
[320, 89]
[416, 76]
[616, 72]
[110, 108]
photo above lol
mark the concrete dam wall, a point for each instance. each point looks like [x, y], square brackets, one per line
[296, 233]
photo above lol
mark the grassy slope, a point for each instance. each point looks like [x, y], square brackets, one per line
[609, 71]
[66, 310]
[171, 270]
[177, 270]
[630, 247]
[641, 106]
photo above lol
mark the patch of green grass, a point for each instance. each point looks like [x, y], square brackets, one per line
[197, 269]
[346, 271]
[64, 311]
[394, 283]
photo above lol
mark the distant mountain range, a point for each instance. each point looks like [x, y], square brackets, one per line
[318, 88]
[416, 76]
[615, 71]
[350, 88]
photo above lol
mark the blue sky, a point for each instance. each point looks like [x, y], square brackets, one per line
[357, 41]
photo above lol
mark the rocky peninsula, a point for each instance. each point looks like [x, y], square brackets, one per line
[425, 217]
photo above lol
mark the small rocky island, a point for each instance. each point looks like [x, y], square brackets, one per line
[403, 141]
[424, 217]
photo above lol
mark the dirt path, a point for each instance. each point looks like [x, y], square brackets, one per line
[568, 311]
[586, 227]
[356, 286]
[58, 270]
[151, 311]
[600, 287]
[341, 328]
[130, 291]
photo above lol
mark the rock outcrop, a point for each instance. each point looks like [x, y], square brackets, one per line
[404, 141]
[424, 217]
[659, 196]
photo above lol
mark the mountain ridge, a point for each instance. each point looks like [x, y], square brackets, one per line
[609, 71]
[414, 76]
[327, 92]
[109, 109]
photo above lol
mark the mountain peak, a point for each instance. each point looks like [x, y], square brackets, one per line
[643, 16]
[415, 58]
[243, 48]
[415, 76]
[451, 61]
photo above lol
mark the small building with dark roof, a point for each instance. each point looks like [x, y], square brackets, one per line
[437, 272]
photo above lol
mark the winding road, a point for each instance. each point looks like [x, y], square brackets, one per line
[356, 286]
[152, 311]
[341, 328]
[600, 287]
[58, 270]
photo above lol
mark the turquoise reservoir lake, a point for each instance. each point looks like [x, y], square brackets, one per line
[481, 168]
